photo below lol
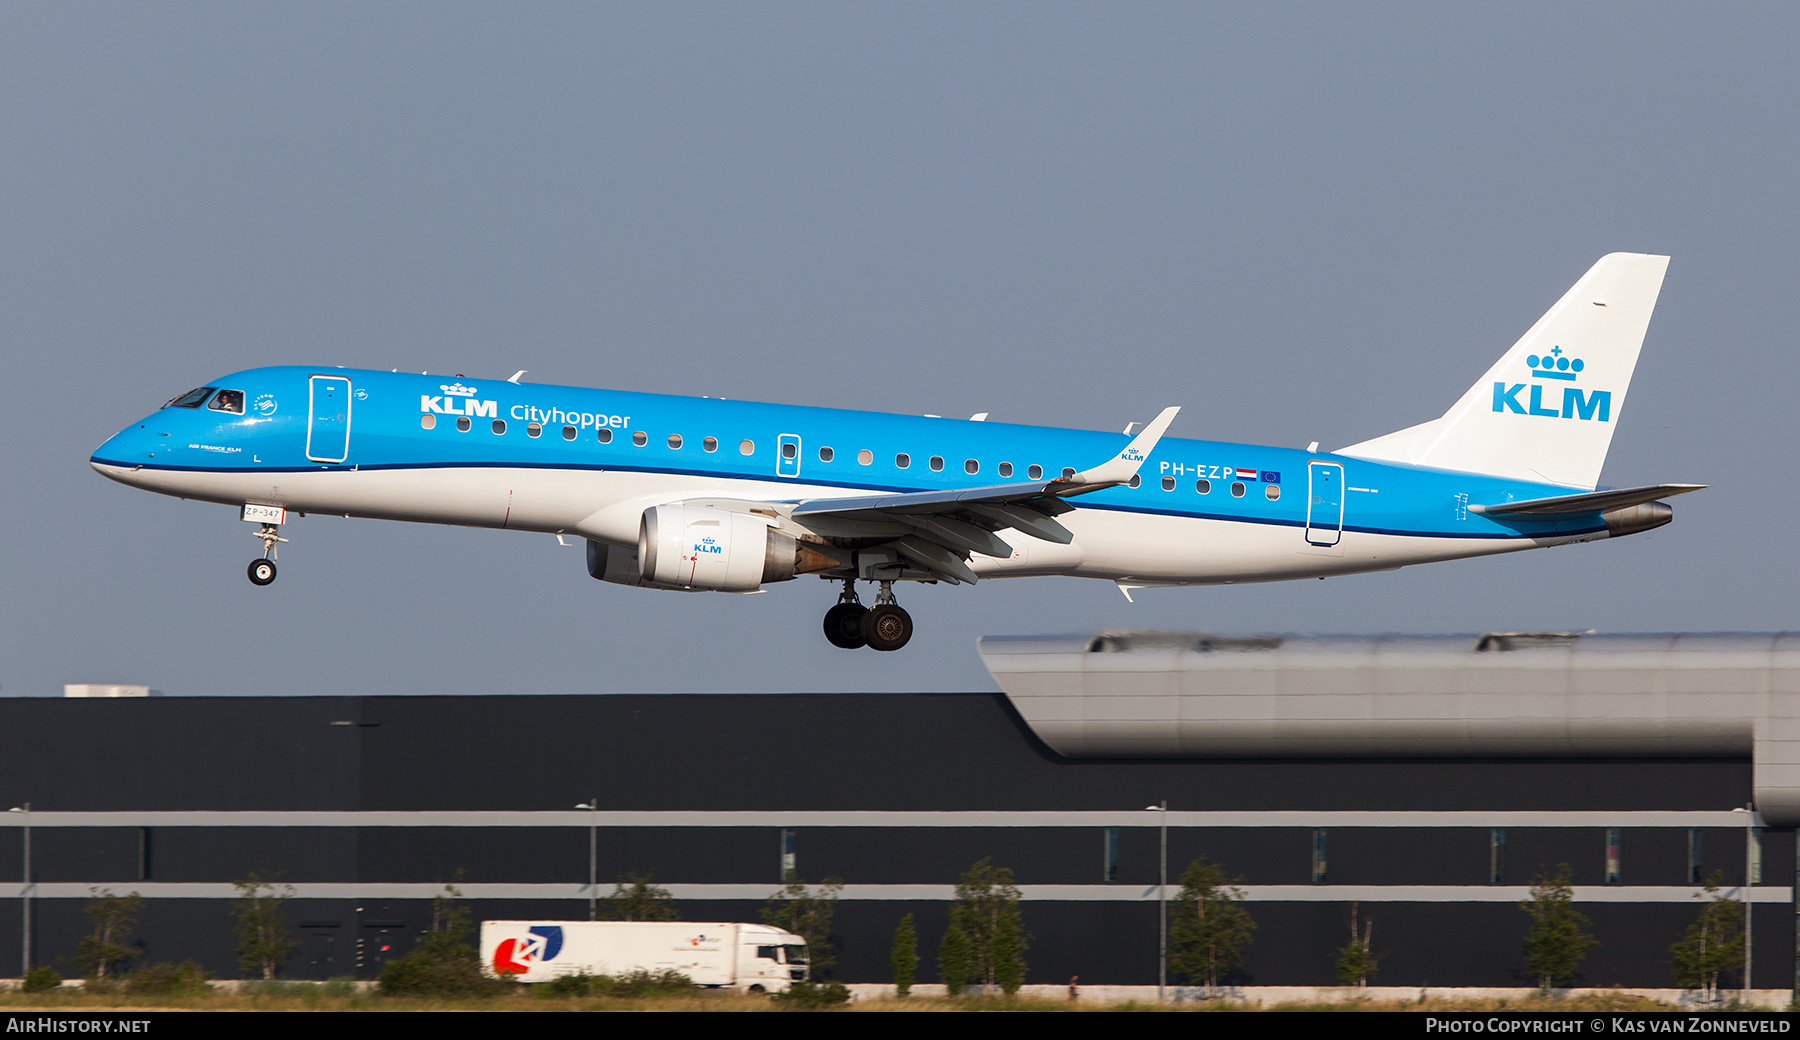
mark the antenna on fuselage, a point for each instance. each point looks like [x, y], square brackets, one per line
[515, 376]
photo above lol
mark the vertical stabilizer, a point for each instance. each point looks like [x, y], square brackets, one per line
[1546, 410]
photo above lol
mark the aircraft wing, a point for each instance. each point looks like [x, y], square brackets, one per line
[938, 530]
[1586, 502]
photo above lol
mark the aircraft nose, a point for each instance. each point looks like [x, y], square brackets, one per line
[131, 447]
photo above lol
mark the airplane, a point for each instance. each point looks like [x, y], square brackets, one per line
[703, 494]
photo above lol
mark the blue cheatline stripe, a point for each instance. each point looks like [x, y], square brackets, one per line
[1232, 518]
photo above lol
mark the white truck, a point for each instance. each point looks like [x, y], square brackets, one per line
[751, 958]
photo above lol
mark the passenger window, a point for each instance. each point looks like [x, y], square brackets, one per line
[746, 447]
[1006, 469]
[902, 460]
[1068, 473]
[1168, 483]
[191, 399]
[463, 424]
[428, 421]
[1203, 487]
[825, 454]
[604, 434]
[640, 438]
[1237, 490]
[228, 401]
[569, 433]
[937, 463]
[1272, 492]
[971, 466]
[533, 429]
[789, 449]
[1034, 472]
[864, 457]
[710, 444]
[675, 440]
[1136, 481]
[499, 425]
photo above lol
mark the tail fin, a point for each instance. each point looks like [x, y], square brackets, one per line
[1546, 410]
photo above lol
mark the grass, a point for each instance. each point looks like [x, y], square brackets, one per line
[339, 997]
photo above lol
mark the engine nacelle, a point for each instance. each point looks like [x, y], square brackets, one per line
[611, 563]
[700, 549]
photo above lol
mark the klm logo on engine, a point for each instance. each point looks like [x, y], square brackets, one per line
[1575, 404]
[453, 393]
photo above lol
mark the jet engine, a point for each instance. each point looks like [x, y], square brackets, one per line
[699, 548]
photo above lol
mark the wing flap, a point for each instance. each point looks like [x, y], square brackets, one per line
[946, 527]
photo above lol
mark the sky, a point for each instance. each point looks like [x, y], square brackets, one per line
[1300, 222]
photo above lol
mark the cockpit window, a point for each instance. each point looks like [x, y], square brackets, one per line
[193, 398]
[228, 401]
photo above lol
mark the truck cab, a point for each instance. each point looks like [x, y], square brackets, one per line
[769, 959]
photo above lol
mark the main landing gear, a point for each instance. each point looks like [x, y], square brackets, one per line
[884, 627]
[262, 571]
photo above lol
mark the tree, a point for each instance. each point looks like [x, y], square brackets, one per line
[808, 915]
[1211, 928]
[903, 958]
[1356, 960]
[263, 939]
[1712, 944]
[956, 960]
[444, 963]
[113, 917]
[985, 943]
[635, 897]
[1558, 937]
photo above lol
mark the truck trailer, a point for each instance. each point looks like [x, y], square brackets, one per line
[750, 958]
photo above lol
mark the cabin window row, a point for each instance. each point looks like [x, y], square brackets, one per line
[1272, 492]
[789, 450]
[865, 457]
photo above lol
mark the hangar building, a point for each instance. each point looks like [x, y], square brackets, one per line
[1427, 780]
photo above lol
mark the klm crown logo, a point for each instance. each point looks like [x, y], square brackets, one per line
[1554, 365]
[1575, 404]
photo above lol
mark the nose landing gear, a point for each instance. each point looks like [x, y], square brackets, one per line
[262, 571]
[884, 627]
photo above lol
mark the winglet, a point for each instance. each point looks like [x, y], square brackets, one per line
[1122, 467]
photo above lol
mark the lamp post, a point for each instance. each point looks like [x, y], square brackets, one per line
[1749, 812]
[1162, 899]
[25, 895]
[593, 808]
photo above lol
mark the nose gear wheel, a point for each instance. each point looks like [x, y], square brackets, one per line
[262, 571]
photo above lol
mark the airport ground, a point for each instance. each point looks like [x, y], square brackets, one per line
[362, 997]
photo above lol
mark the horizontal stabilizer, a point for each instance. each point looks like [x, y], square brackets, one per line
[1589, 502]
